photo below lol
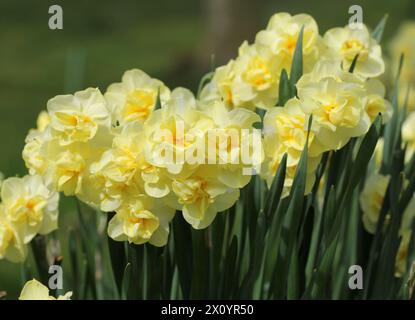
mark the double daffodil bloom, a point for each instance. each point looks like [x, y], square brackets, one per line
[281, 36]
[30, 205]
[76, 118]
[141, 219]
[344, 44]
[134, 98]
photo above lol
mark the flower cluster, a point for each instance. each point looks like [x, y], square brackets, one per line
[343, 103]
[252, 79]
[144, 152]
[28, 208]
[119, 153]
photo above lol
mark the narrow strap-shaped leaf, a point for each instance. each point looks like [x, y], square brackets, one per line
[183, 250]
[200, 276]
[205, 80]
[118, 258]
[38, 245]
[353, 65]
[284, 89]
[229, 279]
[378, 31]
[126, 280]
[158, 101]
[297, 63]
[291, 222]
[274, 194]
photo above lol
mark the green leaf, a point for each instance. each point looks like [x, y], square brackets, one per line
[126, 280]
[200, 277]
[319, 287]
[183, 250]
[118, 258]
[330, 210]
[291, 222]
[274, 194]
[365, 151]
[353, 65]
[297, 63]
[358, 170]
[293, 280]
[284, 89]
[378, 32]
[205, 80]
[229, 280]
[155, 260]
[158, 101]
[38, 245]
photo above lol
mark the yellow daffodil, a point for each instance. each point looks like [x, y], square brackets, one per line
[371, 200]
[29, 204]
[75, 118]
[376, 102]
[250, 81]
[285, 132]
[134, 98]
[344, 44]
[231, 144]
[31, 154]
[34, 290]
[175, 131]
[123, 172]
[281, 37]
[64, 167]
[222, 87]
[201, 196]
[337, 101]
[12, 247]
[141, 219]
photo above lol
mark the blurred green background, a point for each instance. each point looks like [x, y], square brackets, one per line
[170, 40]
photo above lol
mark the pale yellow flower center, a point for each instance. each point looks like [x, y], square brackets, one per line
[77, 126]
[290, 44]
[140, 223]
[138, 105]
[353, 47]
[328, 108]
[258, 74]
[30, 210]
[228, 96]
[192, 191]
[290, 128]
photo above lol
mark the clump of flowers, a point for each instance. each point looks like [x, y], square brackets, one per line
[145, 154]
